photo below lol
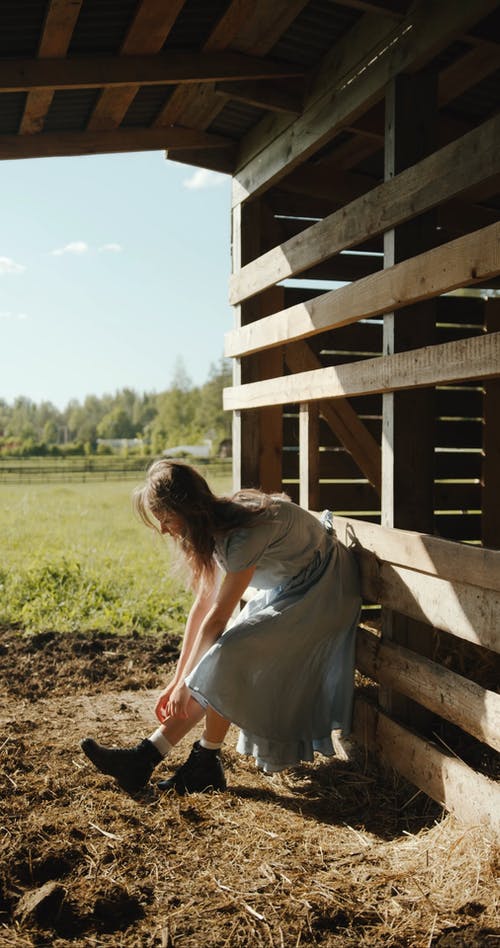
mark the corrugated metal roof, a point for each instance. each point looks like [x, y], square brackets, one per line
[21, 23]
[102, 26]
[321, 24]
[194, 24]
[236, 119]
[11, 112]
[146, 105]
[70, 110]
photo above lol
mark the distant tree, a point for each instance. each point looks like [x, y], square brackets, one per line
[116, 424]
[50, 432]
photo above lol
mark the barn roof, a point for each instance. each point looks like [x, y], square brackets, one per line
[200, 79]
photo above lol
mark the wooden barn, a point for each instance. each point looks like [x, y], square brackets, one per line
[363, 140]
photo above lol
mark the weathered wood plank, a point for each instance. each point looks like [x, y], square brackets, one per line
[428, 554]
[60, 21]
[148, 32]
[309, 456]
[251, 26]
[468, 612]
[475, 157]
[478, 357]
[453, 697]
[51, 144]
[413, 42]
[274, 96]
[470, 796]
[173, 68]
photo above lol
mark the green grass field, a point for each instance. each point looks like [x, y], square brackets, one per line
[75, 557]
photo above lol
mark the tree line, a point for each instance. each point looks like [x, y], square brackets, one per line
[183, 414]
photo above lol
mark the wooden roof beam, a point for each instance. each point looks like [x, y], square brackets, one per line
[60, 22]
[172, 68]
[51, 144]
[347, 87]
[249, 26]
[273, 96]
[149, 30]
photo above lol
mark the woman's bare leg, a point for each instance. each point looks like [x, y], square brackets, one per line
[216, 727]
[174, 729]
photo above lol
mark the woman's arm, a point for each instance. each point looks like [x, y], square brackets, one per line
[211, 628]
[201, 605]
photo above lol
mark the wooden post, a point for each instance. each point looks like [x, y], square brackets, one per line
[491, 444]
[408, 416]
[309, 456]
[257, 434]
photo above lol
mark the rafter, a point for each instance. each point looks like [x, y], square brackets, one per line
[49, 144]
[249, 26]
[273, 96]
[17, 75]
[345, 92]
[150, 28]
[58, 29]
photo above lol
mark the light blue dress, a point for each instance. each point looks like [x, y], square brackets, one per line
[283, 669]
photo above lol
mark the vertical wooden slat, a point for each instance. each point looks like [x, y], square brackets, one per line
[491, 445]
[408, 417]
[309, 456]
[257, 434]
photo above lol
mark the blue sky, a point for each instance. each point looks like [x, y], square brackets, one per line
[111, 268]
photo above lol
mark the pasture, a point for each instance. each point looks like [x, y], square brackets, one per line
[336, 853]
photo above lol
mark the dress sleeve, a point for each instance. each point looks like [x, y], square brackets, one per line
[243, 548]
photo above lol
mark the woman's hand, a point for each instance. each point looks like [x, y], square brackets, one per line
[162, 703]
[178, 701]
[172, 702]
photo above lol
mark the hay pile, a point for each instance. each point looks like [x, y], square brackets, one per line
[335, 853]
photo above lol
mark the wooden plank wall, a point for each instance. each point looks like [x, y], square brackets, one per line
[389, 390]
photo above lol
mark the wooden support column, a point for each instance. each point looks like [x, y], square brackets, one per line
[309, 456]
[408, 416]
[257, 433]
[491, 444]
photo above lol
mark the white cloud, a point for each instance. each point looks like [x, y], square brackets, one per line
[75, 247]
[202, 178]
[7, 265]
[7, 315]
[111, 248]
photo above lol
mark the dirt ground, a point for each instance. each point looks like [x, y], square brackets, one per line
[334, 853]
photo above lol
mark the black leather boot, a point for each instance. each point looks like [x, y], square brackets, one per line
[131, 768]
[201, 773]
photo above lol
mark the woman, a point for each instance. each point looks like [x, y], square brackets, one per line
[282, 669]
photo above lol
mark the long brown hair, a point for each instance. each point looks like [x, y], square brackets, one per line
[176, 487]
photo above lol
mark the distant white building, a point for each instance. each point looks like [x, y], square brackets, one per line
[121, 442]
[194, 450]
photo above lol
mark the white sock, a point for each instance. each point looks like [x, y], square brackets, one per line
[163, 746]
[210, 745]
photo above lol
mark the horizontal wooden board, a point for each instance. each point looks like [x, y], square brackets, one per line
[471, 797]
[468, 612]
[451, 696]
[420, 551]
[432, 365]
[473, 158]
[459, 263]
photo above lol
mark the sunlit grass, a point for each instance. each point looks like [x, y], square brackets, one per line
[74, 556]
